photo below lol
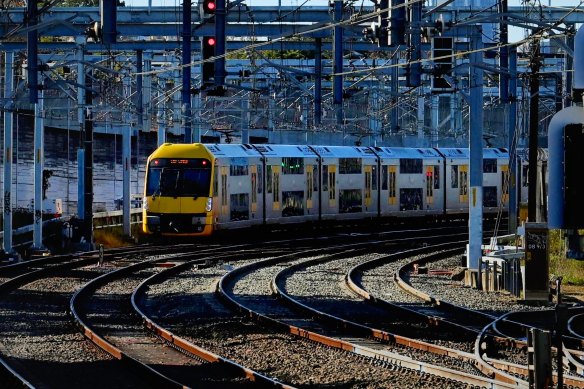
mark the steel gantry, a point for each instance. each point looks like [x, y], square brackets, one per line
[289, 74]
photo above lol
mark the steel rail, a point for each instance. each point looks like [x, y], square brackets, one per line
[341, 344]
[83, 294]
[184, 345]
[355, 287]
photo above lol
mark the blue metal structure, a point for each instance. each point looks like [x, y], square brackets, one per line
[368, 87]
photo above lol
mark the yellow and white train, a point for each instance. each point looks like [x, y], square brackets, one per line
[196, 189]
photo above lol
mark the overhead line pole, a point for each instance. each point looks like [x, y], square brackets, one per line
[8, 124]
[186, 71]
[533, 130]
[338, 62]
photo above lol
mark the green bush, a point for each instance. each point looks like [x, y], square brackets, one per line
[571, 270]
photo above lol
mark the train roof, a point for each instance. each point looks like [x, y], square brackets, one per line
[454, 152]
[232, 150]
[344, 152]
[298, 151]
[407, 152]
[459, 152]
[495, 153]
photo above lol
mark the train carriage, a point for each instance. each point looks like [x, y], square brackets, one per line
[417, 187]
[290, 189]
[347, 182]
[237, 185]
[456, 180]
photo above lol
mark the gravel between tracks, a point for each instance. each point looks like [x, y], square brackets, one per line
[38, 338]
[288, 358]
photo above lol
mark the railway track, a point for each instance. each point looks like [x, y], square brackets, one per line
[185, 296]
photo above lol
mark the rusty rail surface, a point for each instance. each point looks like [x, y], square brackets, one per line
[344, 344]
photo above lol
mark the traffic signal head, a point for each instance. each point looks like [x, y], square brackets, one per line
[209, 6]
[208, 66]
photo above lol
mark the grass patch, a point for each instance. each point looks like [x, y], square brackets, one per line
[571, 270]
[114, 237]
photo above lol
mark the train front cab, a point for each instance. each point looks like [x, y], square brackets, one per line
[177, 194]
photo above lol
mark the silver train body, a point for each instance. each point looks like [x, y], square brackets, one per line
[279, 184]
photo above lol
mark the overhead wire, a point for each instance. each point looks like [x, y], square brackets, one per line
[356, 20]
[359, 19]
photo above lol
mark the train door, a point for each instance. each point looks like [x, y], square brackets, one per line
[463, 183]
[392, 179]
[368, 185]
[254, 190]
[332, 180]
[429, 185]
[275, 188]
[504, 184]
[309, 187]
[224, 213]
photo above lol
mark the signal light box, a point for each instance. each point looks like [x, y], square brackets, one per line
[209, 6]
[536, 273]
[573, 176]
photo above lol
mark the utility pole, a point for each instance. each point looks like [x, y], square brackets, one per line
[533, 128]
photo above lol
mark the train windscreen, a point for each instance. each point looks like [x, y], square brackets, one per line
[178, 177]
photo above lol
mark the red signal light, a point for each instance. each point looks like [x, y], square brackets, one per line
[211, 41]
[209, 6]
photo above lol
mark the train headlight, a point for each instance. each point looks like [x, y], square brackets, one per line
[145, 206]
[209, 205]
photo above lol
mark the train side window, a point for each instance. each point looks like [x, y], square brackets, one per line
[384, 177]
[237, 168]
[411, 166]
[239, 206]
[374, 177]
[269, 178]
[350, 165]
[524, 176]
[489, 165]
[292, 165]
[350, 201]
[454, 176]
[325, 187]
[436, 176]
